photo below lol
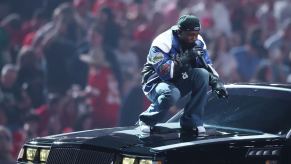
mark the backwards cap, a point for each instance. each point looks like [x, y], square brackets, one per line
[188, 23]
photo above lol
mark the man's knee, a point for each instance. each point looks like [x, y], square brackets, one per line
[170, 97]
[201, 74]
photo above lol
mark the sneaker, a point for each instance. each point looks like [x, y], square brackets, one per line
[198, 131]
[201, 131]
[144, 127]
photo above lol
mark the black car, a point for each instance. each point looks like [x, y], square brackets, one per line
[252, 126]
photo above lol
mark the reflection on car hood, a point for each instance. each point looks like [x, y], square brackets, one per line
[168, 136]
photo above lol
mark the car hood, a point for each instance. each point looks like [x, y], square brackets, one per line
[168, 136]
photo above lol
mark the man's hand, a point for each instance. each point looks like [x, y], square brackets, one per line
[220, 90]
[187, 57]
[218, 86]
[198, 50]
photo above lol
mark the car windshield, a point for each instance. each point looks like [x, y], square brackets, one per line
[255, 109]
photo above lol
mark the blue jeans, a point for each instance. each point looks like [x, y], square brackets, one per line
[166, 94]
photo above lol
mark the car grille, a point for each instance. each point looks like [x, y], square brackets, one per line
[78, 156]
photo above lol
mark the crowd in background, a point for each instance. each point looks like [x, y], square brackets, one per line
[69, 65]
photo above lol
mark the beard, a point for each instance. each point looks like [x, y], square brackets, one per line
[186, 45]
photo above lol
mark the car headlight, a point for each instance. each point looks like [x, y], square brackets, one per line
[149, 161]
[145, 161]
[43, 155]
[30, 153]
[133, 160]
[271, 162]
[128, 160]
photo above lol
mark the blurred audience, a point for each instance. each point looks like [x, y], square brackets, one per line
[281, 40]
[224, 62]
[128, 63]
[79, 60]
[247, 56]
[6, 146]
[31, 76]
[102, 89]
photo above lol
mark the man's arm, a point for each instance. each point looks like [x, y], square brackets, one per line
[166, 67]
[214, 81]
[162, 63]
